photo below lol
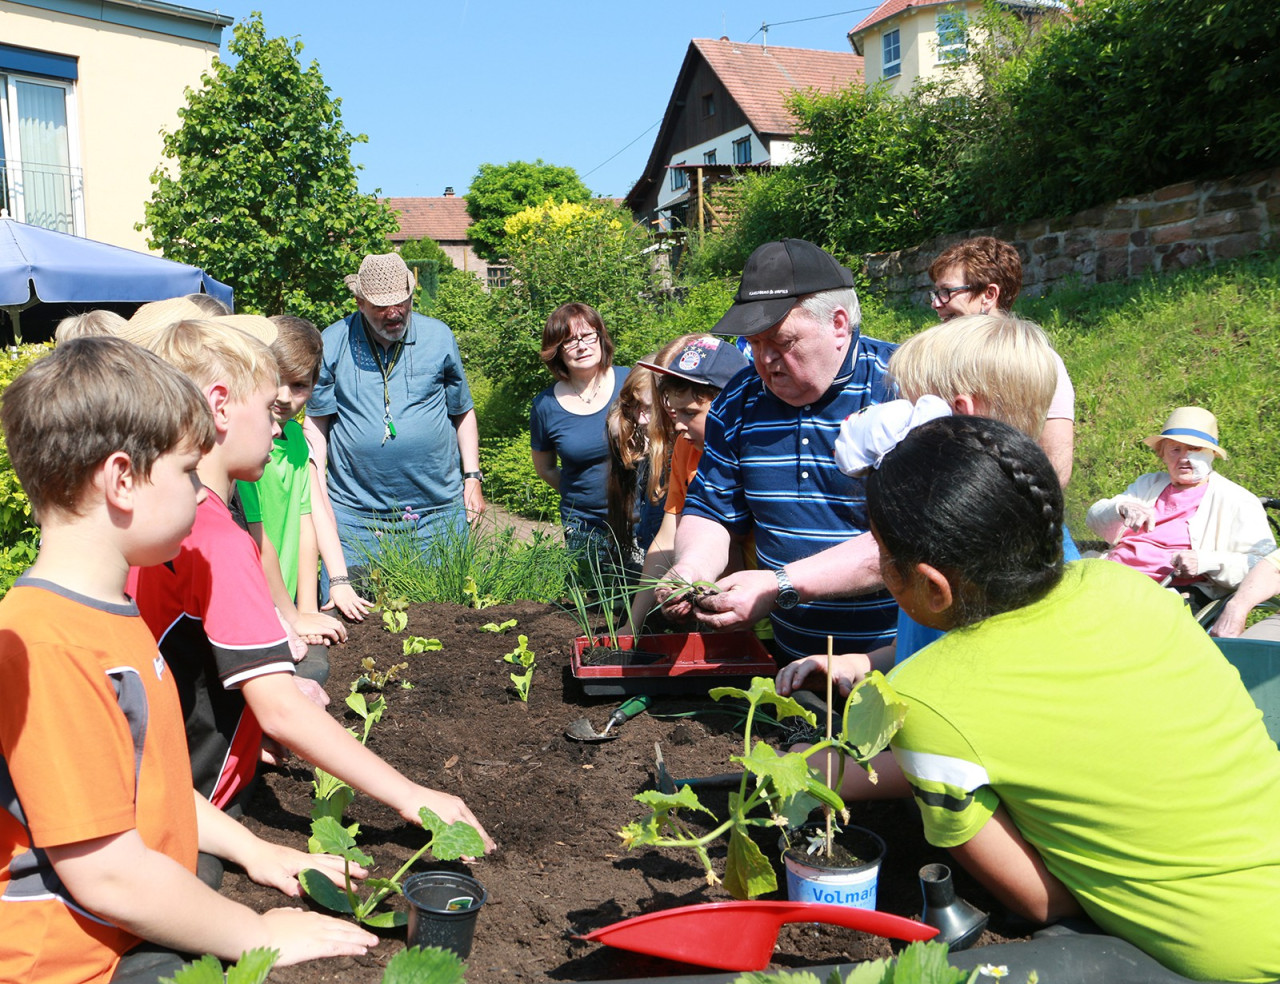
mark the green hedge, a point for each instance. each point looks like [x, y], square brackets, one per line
[18, 535]
[511, 482]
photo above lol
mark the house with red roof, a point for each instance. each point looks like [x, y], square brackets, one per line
[445, 220]
[728, 112]
[906, 40]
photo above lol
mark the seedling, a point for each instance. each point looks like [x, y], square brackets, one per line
[394, 621]
[415, 965]
[369, 711]
[417, 644]
[447, 843]
[373, 679]
[694, 591]
[784, 784]
[522, 655]
[471, 594]
[331, 799]
[252, 968]
[605, 589]
[495, 627]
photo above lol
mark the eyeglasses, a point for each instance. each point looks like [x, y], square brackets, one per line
[943, 295]
[580, 341]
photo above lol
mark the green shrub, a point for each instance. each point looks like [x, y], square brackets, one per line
[511, 482]
[18, 535]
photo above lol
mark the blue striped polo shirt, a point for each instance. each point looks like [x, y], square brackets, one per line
[770, 468]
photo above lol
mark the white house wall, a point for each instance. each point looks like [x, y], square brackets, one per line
[723, 146]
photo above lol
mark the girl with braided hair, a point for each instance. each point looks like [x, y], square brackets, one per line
[1074, 739]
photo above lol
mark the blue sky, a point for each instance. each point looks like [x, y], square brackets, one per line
[443, 86]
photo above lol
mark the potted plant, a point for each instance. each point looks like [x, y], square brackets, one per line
[776, 790]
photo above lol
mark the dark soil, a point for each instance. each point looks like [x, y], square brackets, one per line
[553, 805]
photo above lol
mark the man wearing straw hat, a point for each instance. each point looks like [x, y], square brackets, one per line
[392, 401]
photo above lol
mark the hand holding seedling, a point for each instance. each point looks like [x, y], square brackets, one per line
[680, 597]
[739, 601]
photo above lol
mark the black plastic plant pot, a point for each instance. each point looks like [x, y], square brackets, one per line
[443, 907]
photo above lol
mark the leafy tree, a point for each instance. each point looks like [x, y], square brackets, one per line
[265, 193]
[429, 263]
[562, 252]
[499, 191]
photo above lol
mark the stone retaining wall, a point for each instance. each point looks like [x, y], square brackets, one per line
[1178, 226]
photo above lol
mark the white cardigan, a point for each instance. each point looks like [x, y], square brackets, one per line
[1229, 532]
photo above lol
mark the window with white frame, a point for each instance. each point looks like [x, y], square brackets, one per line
[891, 46]
[41, 181]
[951, 36]
[742, 151]
[709, 157]
[679, 178]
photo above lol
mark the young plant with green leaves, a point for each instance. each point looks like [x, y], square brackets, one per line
[500, 629]
[416, 645]
[447, 843]
[394, 616]
[524, 657]
[776, 790]
[919, 963]
[369, 711]
[414, 965]
[374, 679]
[599, 591]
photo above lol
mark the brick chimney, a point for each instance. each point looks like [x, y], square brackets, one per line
[448, 192]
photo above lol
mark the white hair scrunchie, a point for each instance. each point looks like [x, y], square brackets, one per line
[867, 436]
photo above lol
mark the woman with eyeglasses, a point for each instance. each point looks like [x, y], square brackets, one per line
[567, 420]
[983, 276]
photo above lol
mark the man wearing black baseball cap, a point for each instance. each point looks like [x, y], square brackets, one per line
[769, 466]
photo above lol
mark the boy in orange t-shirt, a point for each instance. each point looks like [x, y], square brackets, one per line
[99, 824]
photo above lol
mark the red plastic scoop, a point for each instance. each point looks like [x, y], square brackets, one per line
[741, 935]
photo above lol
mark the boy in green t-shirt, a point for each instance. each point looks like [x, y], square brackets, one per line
[278, 507]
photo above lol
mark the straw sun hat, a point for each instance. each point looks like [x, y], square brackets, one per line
[1193, 426]
[383, 280]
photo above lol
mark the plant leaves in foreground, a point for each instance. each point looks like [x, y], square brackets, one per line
[324, 892]
[424, 965]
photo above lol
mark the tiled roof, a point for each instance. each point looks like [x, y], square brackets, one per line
[891, 7]
[443, 219]
[761, 79]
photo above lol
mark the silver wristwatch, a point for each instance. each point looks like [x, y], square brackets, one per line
[788, 596]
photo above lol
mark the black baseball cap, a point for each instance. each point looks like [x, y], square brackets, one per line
[775, 275]
[707, 361]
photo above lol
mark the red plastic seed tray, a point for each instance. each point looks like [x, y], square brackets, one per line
[669, 664]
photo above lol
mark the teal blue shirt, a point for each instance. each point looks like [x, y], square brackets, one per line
[418, 470]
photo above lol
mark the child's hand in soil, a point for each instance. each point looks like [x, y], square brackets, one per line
[448, 808]
[345, 599]
[277, 866]
[300, 935]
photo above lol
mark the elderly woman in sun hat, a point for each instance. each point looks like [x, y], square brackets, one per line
[1188, 521]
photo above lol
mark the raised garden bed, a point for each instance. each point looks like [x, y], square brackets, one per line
[554, 806]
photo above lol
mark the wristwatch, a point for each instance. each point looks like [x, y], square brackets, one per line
[788, 596]
[477, 475]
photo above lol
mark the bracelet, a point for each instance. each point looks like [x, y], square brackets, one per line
[340, 579]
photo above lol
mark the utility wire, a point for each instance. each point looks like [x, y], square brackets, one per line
[802, 20]
[603, 163]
